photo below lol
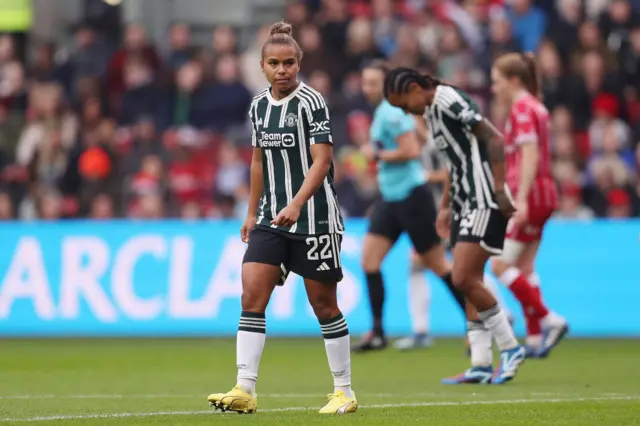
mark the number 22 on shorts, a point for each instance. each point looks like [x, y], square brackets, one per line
[324, 243]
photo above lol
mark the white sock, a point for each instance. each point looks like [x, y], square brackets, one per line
[496, 321]
[552, 320]
[338, 346]
[510, 275]
[249, 346]
[534, 341]
[490, 283]
[480, 344]
[419, 298]
[534, 279]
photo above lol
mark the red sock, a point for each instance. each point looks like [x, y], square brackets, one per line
[538, 293]
[526, 293]
[534, 326]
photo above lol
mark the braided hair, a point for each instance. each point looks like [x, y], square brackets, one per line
[398, 81]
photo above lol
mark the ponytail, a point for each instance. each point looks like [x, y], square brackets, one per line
[523, 67]
[533, 82]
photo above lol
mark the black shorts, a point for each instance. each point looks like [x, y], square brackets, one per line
[316, 257]
[416, 215]
[487, 227]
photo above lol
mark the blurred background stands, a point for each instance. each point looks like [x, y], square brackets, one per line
[140, 109]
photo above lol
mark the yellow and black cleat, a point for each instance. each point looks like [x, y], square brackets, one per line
[236, 400]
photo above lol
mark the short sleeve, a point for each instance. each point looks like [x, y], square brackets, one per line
[254, 138]
[523, 124]
[318, 116]
[320, 126]
[398, 123]
[453, 104]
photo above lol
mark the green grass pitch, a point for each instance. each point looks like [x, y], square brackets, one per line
[165, 382]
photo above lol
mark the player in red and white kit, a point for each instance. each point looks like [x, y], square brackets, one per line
[528, 162]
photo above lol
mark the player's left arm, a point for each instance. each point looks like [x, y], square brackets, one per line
[402, 128]
[422, 131]
[408, 149]
[527, 140]
[321, 154]
[321, 146]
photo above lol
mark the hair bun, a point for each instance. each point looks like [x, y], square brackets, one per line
[281, 27]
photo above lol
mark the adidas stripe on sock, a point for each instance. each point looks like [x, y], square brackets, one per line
[252, 322]
[334, 328]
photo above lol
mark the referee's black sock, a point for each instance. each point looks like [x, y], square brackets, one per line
[454, 291]
[376, 299]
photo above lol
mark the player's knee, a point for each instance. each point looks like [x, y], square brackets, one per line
[370, 264]
[253, 300]
[526, 269]
[325, 306]
[439, 266]
[462, 279]
[255, 295]
[511, 253]
[435, 259]
[498, 266]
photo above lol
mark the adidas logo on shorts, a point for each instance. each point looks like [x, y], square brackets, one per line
[323, 267]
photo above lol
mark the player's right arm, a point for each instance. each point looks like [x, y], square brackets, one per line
[256, 185]
[256, 182]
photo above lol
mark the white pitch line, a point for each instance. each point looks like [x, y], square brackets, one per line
[269, 395]
[288, 409]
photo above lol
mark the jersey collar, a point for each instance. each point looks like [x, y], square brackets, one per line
[285, 99]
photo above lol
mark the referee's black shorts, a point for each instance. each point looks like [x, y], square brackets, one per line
[415, 215]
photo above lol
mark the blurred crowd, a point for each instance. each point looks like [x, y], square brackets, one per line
[89, 129]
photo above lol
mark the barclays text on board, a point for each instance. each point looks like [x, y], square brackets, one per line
[178, 279]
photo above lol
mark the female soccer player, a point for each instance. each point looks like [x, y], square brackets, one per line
[515, 84]
[406, 205]
[474, 210]
[419, 290]
[293, 222]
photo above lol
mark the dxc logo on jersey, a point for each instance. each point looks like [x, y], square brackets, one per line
[277, 140]
[319, 127]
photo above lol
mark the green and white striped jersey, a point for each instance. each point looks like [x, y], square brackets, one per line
[285, 130]
[451, 118]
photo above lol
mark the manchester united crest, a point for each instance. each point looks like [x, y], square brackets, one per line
[290, 120]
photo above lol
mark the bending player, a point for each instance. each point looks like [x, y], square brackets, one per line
[293, 222]
[406, 205]
[474, 211]
[419, 289]
[515, 84]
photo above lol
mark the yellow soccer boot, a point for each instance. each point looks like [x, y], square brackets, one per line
[237, 400]
[340, 403]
